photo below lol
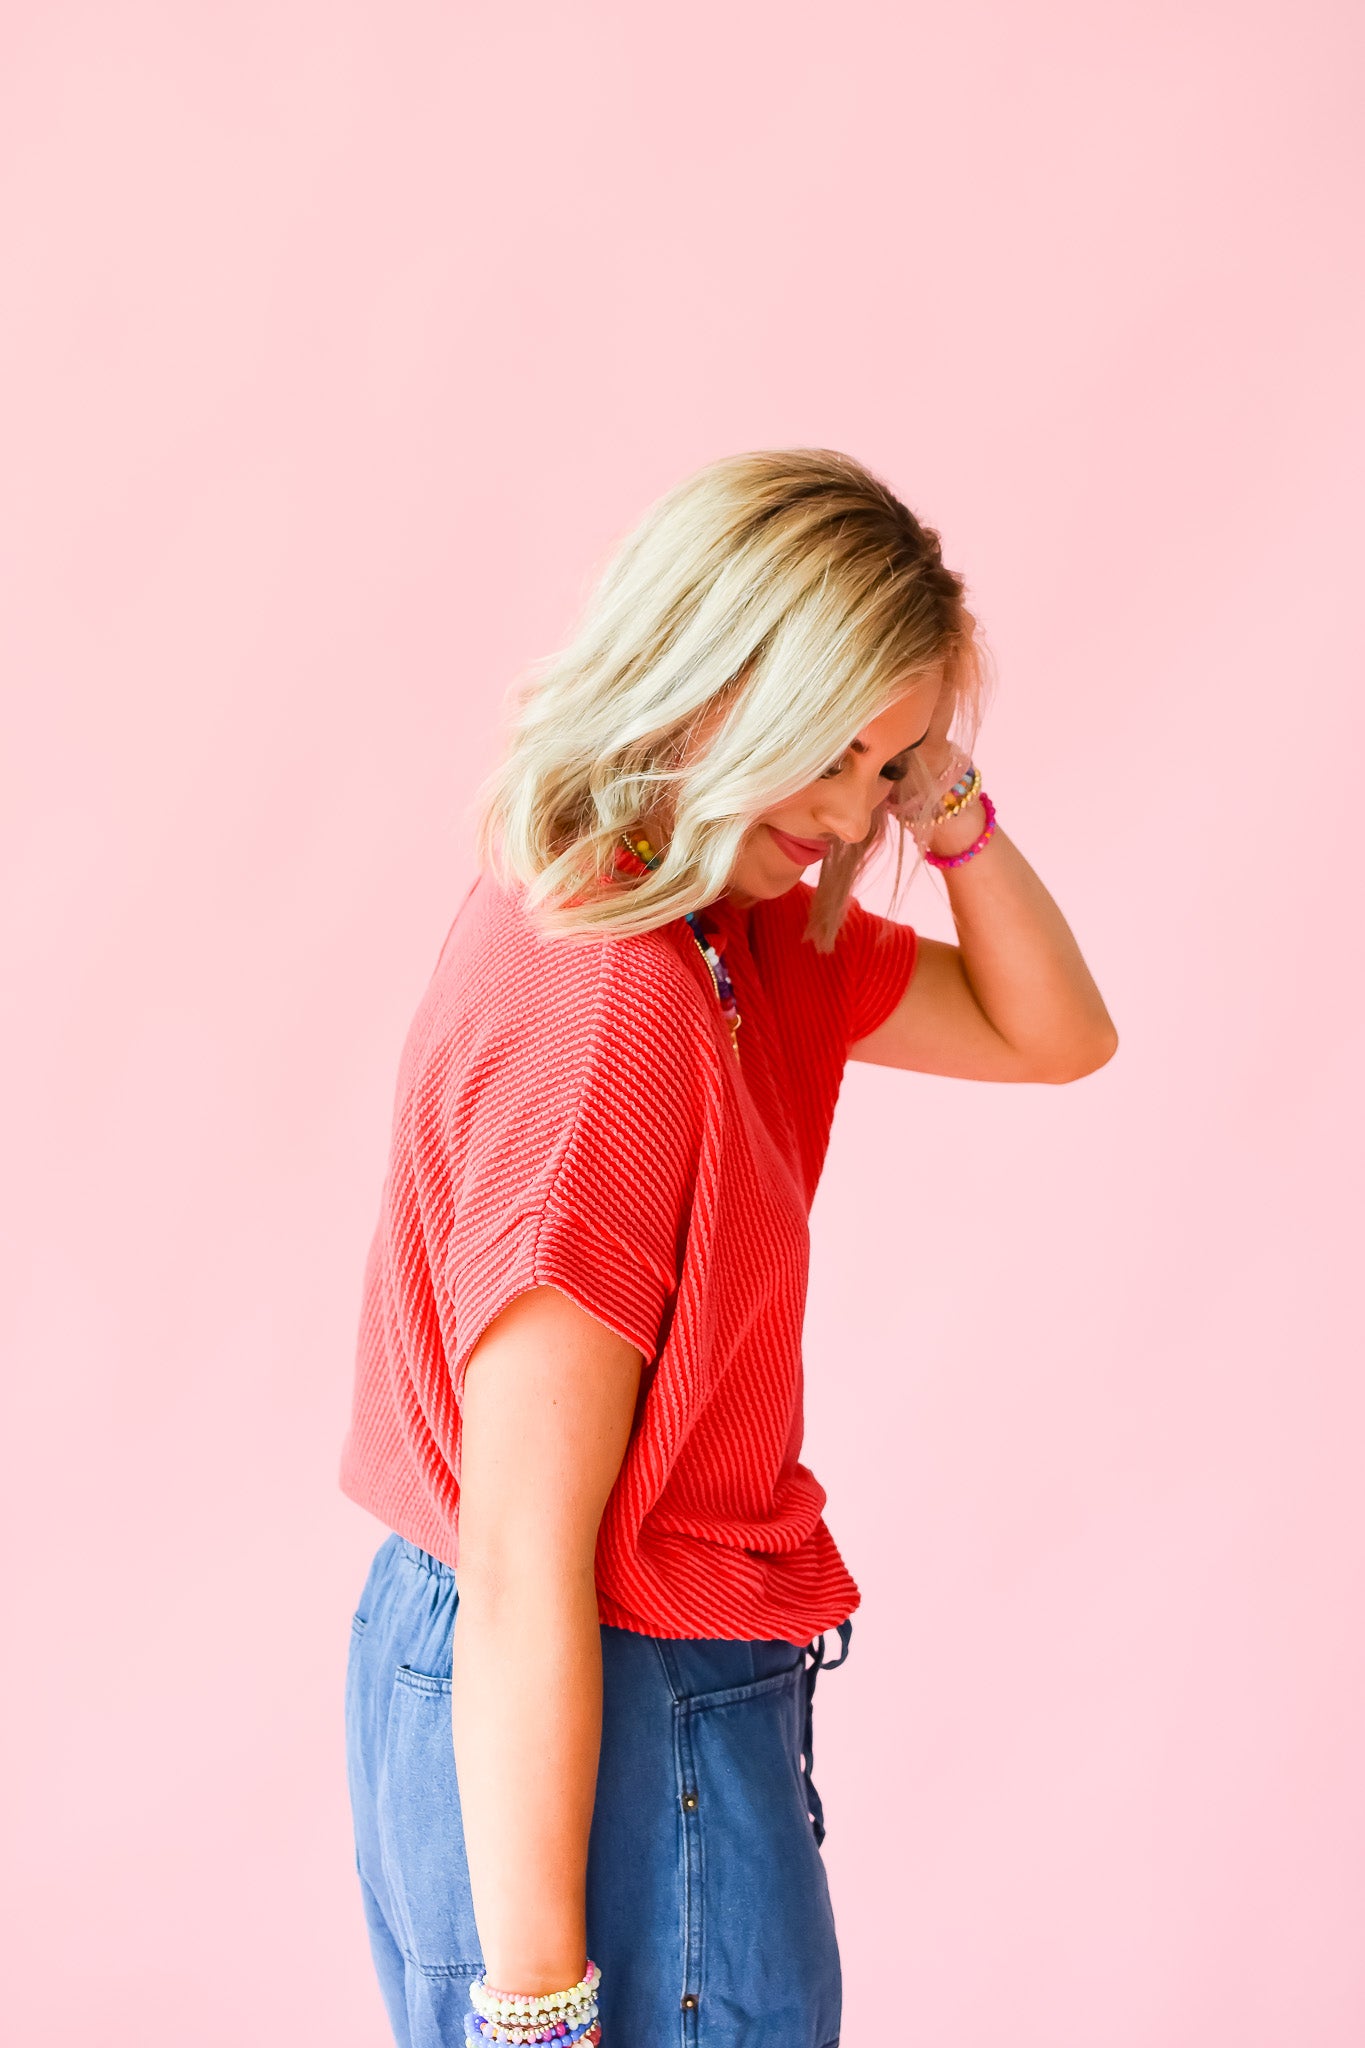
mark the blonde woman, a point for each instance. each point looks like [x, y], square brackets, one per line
[579, 1698]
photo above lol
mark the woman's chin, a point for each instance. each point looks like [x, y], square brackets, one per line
[758, 884]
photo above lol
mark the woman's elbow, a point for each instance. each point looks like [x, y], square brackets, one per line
[1087, 1058]
[514, 1551]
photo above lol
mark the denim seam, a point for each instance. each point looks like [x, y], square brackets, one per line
[442, 1970]
[735, 1695]
[692, 1872]
[673, 1692]
[421, 1681]
[723, 1695]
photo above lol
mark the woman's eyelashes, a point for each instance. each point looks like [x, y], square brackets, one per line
[894, 771]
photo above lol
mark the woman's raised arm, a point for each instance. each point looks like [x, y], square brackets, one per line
[549, 1399]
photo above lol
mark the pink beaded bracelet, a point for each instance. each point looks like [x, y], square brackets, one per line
[957, 860]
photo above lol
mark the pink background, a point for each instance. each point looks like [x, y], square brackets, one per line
[338, 342]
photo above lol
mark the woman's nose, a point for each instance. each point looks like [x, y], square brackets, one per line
[846, 817]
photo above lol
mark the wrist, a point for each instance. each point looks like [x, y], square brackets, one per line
[533, 1969]
[567, 2014]
[963, 829]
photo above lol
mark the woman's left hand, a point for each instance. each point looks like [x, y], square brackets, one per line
[939, 762]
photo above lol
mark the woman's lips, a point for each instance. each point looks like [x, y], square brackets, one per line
[802, 851]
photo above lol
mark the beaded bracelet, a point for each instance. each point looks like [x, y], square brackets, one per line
[512, 2004]
[559, 2017]
[576, 2015]
[957, 860]
[961, 793]
[553, 2036]
[561, 2032]
[565, 2024]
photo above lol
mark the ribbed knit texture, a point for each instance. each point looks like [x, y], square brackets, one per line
[572, 1115]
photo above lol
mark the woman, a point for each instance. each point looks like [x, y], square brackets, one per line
[580, 1684]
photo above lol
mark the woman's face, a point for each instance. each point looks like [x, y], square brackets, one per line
[789, 838]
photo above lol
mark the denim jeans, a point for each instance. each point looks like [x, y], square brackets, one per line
[707, 1901]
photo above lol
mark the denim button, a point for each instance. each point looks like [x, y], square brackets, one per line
[690, 1801]
[689, 2003]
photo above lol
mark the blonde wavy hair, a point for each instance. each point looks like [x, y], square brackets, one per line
[759, 615]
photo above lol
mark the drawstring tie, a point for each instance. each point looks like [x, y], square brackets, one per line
[816, 1653]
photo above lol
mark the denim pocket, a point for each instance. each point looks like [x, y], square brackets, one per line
[421, 1829]
[762, 1958]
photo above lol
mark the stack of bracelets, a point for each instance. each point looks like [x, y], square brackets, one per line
[557, 2018]
[955, 800]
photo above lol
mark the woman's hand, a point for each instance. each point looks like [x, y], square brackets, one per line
[938, 762]
[935, 749]
[549, 1400]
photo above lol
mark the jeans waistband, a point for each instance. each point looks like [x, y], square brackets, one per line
[813, 1655]
[424, 1560]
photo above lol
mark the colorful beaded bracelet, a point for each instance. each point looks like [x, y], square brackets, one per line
[562, 2032]
[554, 2033]
[564, 2020]
[477, 2031]
[957, 860]
[530, 2006]
[561, 2025]
[961, 793]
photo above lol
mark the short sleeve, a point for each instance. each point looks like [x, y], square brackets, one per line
[573, 1134]
[881, 954]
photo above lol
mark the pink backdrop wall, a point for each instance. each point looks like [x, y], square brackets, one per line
[337, 344]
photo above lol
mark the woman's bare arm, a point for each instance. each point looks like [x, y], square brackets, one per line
[1013, 1000]
[549, 1399]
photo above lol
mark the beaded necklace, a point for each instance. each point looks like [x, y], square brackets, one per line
[636, 857]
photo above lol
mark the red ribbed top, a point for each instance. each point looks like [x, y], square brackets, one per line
[572, 1114]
